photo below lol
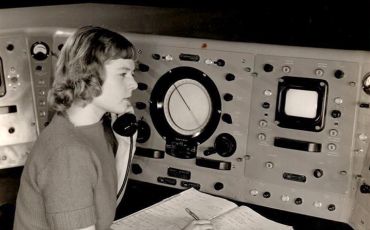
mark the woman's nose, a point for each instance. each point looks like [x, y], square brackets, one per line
[133, 84]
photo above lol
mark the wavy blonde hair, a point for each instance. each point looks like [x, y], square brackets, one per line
[78, 74]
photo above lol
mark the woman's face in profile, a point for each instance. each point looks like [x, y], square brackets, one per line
[117, 87]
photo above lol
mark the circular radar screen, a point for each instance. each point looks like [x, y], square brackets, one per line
[188, 107]
[185, 104]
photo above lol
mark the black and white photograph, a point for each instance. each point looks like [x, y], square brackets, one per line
[184, 115]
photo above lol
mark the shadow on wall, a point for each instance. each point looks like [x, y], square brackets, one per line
[9, 184]
[7, 216]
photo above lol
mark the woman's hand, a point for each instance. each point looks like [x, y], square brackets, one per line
[199, 225]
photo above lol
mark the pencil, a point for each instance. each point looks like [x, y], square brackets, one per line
[192, 214]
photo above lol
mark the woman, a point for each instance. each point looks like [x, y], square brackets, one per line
[69, 180]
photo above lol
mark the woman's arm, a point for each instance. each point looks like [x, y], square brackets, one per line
[199, 225]
[92, 227]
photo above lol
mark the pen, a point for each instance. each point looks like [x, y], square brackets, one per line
[192, 214]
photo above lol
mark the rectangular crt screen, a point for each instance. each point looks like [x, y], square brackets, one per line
[301, 103]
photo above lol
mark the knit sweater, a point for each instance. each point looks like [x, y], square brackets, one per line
[69, 180]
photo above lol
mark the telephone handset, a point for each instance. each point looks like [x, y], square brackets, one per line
[125, 125]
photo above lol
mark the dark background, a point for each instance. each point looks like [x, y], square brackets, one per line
[314, 23]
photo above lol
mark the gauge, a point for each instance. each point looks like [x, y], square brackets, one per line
[40, 51]
[188, 106]
[185, 104]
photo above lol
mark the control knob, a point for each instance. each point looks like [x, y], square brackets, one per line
[143, 131]
[225, 145]
[365, 188]
[143, 68]
[136, 169]
[318, 173]
[218, 186]
[339, 74]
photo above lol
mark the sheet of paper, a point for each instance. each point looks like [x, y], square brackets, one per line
[171, 214]
[244, 218]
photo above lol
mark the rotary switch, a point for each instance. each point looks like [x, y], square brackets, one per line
[225, 145]
[143, 132]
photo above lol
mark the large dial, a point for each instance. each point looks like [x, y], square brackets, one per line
[185, 104]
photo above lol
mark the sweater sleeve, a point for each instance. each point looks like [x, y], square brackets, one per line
[67, 187]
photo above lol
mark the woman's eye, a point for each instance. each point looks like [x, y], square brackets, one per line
[123, 74]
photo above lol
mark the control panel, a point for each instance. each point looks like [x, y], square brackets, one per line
[18, 123]
[278, 126]
[25, 77]
[282, 127]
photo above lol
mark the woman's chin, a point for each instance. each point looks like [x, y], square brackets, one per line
[124, 107]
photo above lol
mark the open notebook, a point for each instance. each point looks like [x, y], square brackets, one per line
[170, 214]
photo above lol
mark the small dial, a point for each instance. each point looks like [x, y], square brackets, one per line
[40, 51]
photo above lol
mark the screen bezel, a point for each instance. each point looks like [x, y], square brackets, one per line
[284, 120]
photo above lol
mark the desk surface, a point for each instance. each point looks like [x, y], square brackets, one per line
[140, 195]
